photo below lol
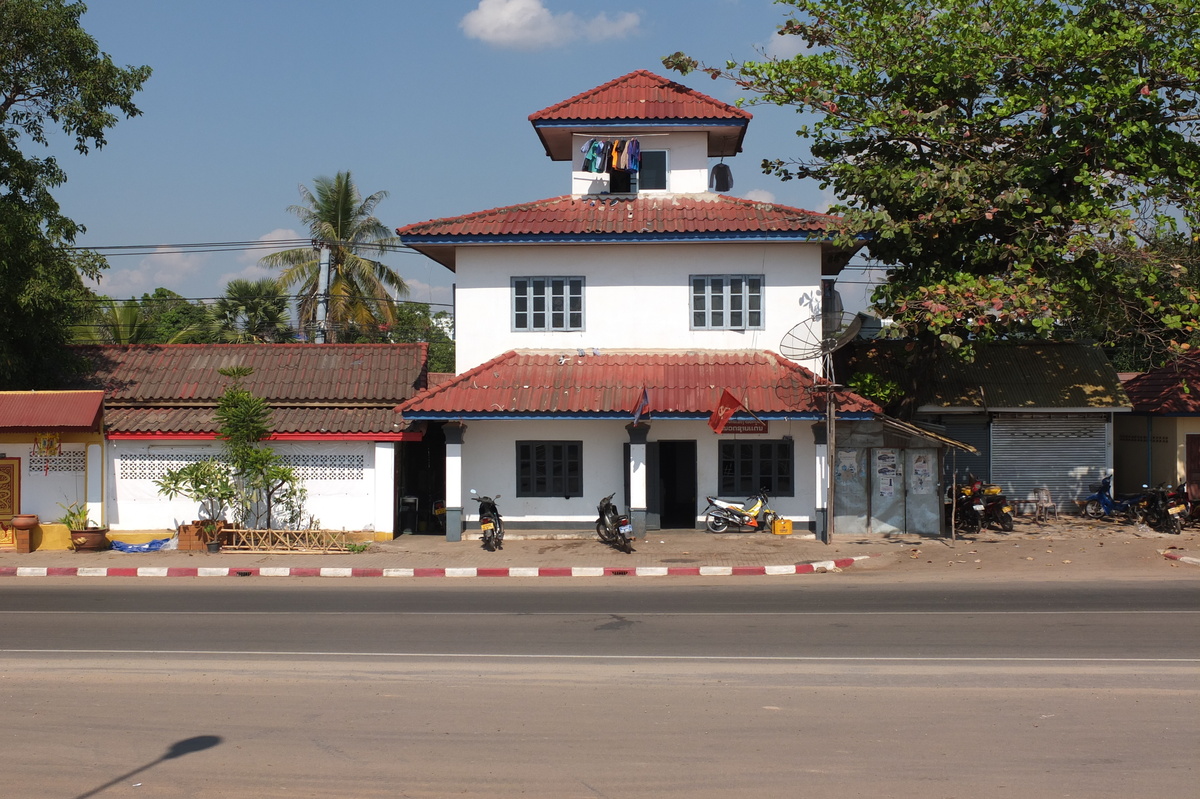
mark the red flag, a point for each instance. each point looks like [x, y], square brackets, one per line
[643, 403]
[725, 409]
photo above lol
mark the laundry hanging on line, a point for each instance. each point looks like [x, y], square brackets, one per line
[611, 155]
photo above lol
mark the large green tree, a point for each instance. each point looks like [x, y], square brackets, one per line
[1014, 161]
[52, 76]
[360, 289]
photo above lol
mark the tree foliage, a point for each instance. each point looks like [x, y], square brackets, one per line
[1017, 162]
[360, 289]
[52, 77]
[252, 312]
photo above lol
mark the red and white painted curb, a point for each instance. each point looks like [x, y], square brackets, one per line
[1179, 557]
[465, 571]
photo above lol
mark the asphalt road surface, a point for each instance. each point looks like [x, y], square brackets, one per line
[686, 688]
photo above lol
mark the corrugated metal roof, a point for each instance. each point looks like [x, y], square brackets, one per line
[640, 95]
[1006, 376]
[1170, 389]
[684, 383]
[78, 411]
[314, 389]
[603, 219]
[320, 373]
[284, 421]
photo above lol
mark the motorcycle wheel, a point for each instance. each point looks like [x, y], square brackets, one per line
[1093, 509]
[489, 541]
[499, 536]
[626, 544]
[1006, 522]
[602, 531]
[716, 524]
[1170, 524]
[970, 523]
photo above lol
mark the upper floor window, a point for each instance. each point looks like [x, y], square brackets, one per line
[547, 303]
[650, 176]
[727, 302]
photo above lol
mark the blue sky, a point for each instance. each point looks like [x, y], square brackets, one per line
[425, 100]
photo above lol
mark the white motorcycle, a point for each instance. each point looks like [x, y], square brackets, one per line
[752, 514]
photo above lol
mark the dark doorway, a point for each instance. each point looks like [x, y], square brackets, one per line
[676, 484]
[421, 483]
[1192, 465]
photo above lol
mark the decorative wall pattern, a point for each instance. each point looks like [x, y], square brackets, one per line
[69, 460]
[310, 467]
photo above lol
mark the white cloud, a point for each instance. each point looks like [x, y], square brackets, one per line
[759, 196]
[529, 25]
[286, 236]
[166, 268]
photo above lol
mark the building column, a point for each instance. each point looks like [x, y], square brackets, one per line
[94, 484]
[385, 491]
[454, 432]
[638, 475]
[821, 484]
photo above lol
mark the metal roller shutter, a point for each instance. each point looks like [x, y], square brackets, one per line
[971, 430]
[1064, 454]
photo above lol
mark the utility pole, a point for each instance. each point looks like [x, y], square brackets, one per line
[322, 291]
[831, 457]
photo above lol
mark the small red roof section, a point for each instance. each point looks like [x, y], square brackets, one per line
[50, 411]
[683, 384]
[610, 220]
[1173, 389]
[639, 101]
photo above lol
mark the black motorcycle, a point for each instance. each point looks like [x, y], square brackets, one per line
[614, 528]
[1161, 513]
[965, 510]
[490, 523]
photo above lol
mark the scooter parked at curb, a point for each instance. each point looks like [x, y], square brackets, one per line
[965, 510]
[614, 528]
[490, 522]
[1100, 503]
[996, 510]
[753, 514]
[1162, 513]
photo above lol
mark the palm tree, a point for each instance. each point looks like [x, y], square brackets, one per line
[360, 289]
[253, 312]
[114, 323]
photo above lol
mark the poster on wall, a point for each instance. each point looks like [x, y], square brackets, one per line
[921, 474]
[846, 466]
[886, 471]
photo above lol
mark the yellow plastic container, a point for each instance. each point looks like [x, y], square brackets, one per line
[782, 527]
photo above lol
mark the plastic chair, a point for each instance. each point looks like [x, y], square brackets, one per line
[1044, 506]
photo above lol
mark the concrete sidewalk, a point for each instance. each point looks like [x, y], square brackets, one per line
[1072, 548]
[665, 553]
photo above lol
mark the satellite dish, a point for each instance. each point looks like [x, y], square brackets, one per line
[819, 336]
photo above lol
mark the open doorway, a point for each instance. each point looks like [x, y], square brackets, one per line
[676, 484]
[421, 483]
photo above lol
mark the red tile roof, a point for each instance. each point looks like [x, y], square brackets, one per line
[66, 411]
[637, 104]
[1170, 389]
[603, 219]
[640, 95]
[313, 389]
[682, 384]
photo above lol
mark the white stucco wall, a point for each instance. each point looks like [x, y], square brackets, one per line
[636, 296]
[349, 487]
[490, 466]
[687, 162]
[48, 484]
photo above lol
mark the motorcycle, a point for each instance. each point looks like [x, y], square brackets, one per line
[490, 523]
[614, 528]
[996, 510]
[1100, 503]
[1179, 497]
[966, 509]
[1161, 512]
[753, 513]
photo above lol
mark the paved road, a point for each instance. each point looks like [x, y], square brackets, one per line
[713, 688]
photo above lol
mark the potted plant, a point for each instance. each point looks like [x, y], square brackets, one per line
[23, 524]
[207, 482]
[84, 534]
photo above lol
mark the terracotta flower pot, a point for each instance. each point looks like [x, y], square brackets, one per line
[25, 521]
[93, 539]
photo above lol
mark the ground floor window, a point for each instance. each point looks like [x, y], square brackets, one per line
[747, 466]
[549, 469]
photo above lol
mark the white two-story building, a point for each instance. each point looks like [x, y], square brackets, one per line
[598, 330]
